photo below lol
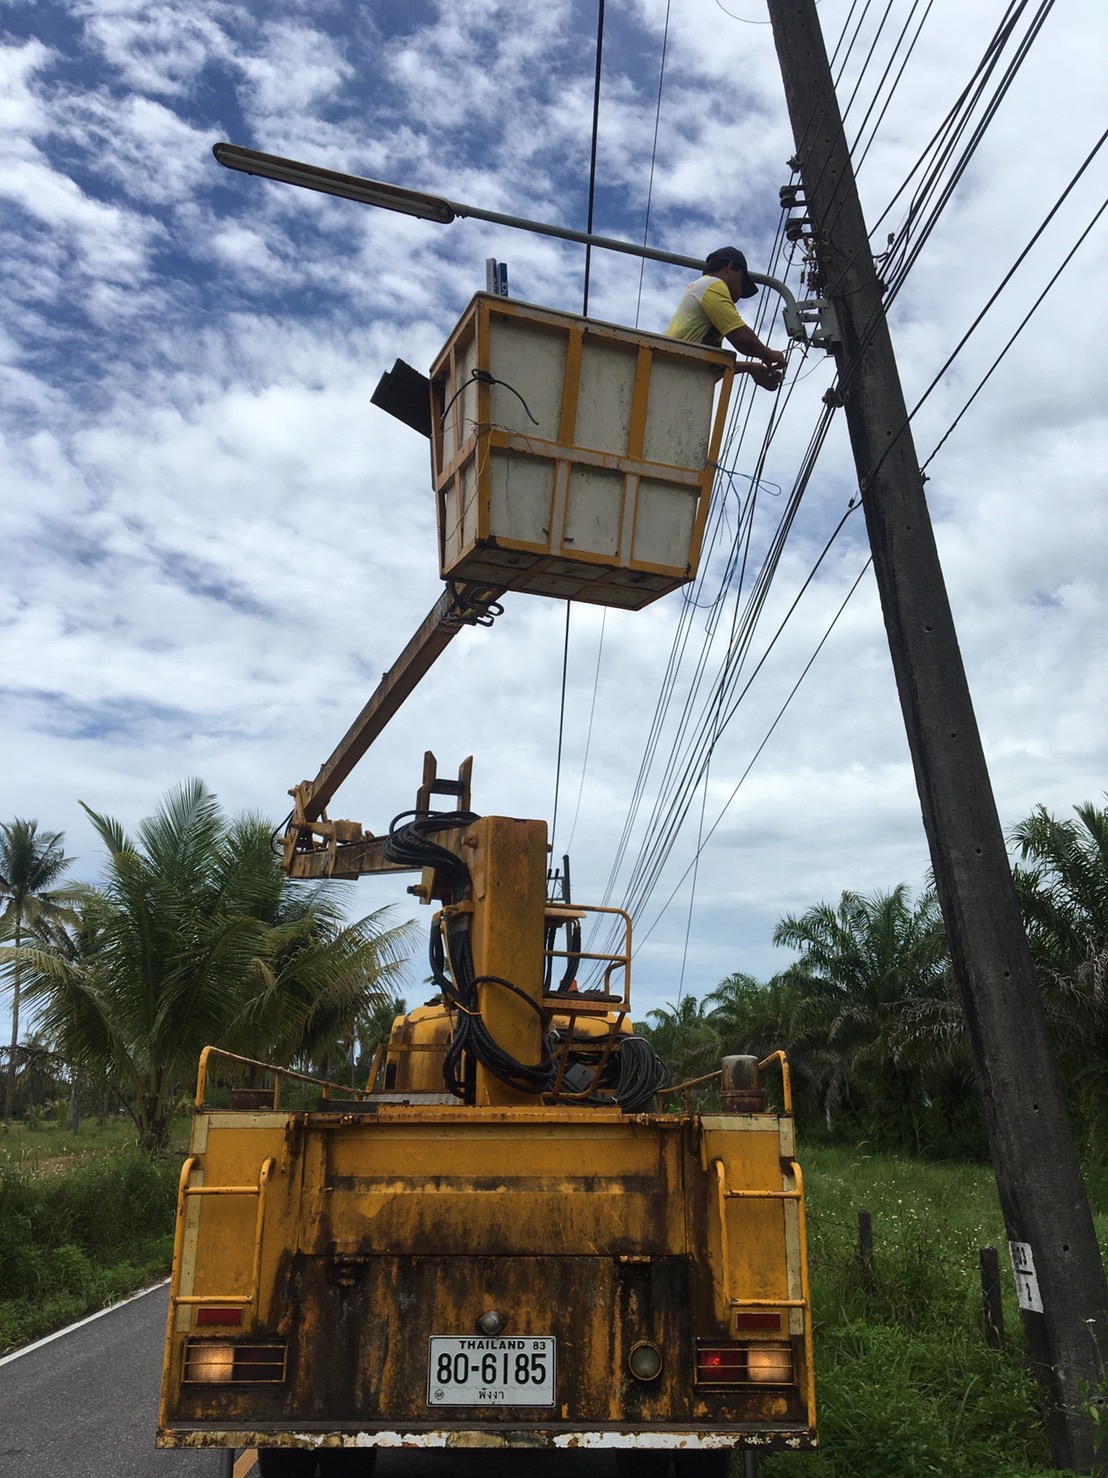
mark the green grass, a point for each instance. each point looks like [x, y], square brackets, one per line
[51, 1146]
[905, 1382]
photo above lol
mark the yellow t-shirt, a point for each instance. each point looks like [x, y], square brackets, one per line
[705, 313]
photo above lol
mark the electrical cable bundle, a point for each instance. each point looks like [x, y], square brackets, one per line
[641, 1073]
[572, 959]
[451, 958]
[631, 1076]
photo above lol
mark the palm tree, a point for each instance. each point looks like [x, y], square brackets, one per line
[751, 1017]
[30, 865]
[1063, 893]
[683, 1037]
[864, 968]
[196, 938]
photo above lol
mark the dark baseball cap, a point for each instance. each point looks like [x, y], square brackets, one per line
[724, 255]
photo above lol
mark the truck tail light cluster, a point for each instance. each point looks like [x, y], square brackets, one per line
[221, 1362]
[744, 1364]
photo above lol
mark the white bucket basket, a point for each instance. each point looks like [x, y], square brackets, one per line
[573, 458]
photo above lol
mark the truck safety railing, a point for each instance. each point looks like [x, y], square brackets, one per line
[571, 1004]
[685, 1088]
[279, 1075]
[616, 963]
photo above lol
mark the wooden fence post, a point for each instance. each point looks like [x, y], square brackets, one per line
[865, 1249]
[990, 1297]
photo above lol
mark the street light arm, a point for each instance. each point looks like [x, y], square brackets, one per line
[436, 208]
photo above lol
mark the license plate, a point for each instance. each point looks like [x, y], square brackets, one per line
[477, 1371]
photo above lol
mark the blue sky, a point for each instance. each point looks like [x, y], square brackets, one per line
[215, 543]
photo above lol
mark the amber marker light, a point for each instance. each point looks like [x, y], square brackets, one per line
[770, 1364]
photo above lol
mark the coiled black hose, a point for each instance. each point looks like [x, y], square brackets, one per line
[632, 1075]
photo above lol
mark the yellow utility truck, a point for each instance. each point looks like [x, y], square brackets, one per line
[519, 1235]
[516, 1238]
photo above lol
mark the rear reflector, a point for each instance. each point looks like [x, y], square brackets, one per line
[758, 1319]
[218, 1316]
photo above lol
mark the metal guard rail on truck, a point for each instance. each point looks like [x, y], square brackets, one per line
[778, 1057]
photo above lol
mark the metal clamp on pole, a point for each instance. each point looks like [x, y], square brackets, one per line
[818, 312]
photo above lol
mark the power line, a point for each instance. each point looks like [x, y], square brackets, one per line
[584, 314]
[1023, 324]
[592, 156]
[1055, 208]
[653, 158]
[643, 936]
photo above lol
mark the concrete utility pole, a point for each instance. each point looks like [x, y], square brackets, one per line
[1059, 1275]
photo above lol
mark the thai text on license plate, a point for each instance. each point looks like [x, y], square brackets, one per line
[481, 1371]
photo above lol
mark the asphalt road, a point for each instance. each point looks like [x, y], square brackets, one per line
[85, 1405]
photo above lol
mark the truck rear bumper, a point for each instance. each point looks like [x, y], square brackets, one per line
[768, 1439]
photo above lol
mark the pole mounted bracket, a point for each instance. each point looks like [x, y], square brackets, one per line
[820, 314]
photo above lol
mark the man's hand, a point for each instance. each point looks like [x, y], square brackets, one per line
[774, 358]
[768, 376]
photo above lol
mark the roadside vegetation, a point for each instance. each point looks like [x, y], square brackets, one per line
[193, 937]
[870, 1016]
[84, 1220]
[906, 1382]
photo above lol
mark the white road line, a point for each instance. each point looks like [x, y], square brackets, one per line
[58, 1333]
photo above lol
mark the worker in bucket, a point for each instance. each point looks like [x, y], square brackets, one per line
[707, 314]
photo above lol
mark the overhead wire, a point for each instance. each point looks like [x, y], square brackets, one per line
[681, 635]
[687, 754]
[653, 160]
[584, 314]
[645, 934]
[635, 903]
[918, 237]
[957, 120]
[680, 738]
[1006, 279]
[641, 882]
[655, 730]
[588, 731]
[675, 794]
[592, 154]
[858, 159]
[1022, 325]
[869, 58]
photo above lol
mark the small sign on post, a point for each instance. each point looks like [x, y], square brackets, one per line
[1027, 1282]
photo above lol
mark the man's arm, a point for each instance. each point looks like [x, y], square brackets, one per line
[747, 342]
[769, 373]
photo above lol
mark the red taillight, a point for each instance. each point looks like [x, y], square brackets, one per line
[218, 1316]
[721, 1365]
